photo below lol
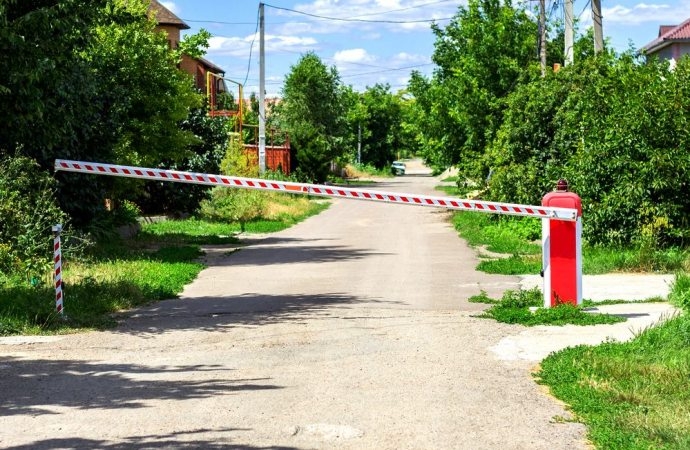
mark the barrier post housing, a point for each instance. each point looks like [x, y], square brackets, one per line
[562, 251]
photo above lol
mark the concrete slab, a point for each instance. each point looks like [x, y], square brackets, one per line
[535, 343]
[618, 286]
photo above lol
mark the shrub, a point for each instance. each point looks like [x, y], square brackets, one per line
[29, 209]
[232, 204]
[617, 129]
[680, 291]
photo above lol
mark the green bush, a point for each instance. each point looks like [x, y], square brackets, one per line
[29, 210]
[680, 291]
[617, 129]
[232, 204]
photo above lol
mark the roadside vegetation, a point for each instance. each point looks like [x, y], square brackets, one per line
[632, 395]
[512, 246]
[104, 278]
[525, 307]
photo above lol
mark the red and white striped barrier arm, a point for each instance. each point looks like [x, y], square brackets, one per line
[316, 189]
[57, 259]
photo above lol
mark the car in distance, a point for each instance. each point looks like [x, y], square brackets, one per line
[398, 168]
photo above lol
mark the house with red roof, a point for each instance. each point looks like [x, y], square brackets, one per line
[671, 45]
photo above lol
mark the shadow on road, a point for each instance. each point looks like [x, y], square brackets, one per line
[271, 250]
[251, 309]
[261, 254]
[172, 440]
[28, 385]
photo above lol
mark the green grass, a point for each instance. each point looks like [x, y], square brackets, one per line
[189, 231]
[510, 235]
[513, 265]
[520, 239]
[196, 231]
[631, 395]
[97, 287]
[451, 179]
[514, 307]
[118, 275]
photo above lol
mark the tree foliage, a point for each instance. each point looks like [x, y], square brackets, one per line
[90, 80]
[28, 210]
[481, 56]
[617, 128]
[312, 112]
[383, 138]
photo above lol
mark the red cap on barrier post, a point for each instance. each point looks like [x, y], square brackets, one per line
[562, 249]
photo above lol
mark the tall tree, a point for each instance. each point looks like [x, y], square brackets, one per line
[383, 124]
[312, 112]
[481, 56]
[90, 80]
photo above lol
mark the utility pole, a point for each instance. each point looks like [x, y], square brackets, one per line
[262, 93]
[542, 36]
[359, 143]
[569, 32]
[598, 29]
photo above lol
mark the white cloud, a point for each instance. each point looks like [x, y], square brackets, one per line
[172, 7]
[640, 13]
[408, 58]
[240, 46]
[353, 55]
[357, 12]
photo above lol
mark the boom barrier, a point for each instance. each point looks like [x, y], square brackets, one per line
[560, 214]
[541, 212]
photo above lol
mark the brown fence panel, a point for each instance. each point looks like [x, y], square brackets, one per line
[277, 157]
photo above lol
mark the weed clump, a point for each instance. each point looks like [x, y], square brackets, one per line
[514, 307]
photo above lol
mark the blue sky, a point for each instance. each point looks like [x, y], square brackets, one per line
[365, 52]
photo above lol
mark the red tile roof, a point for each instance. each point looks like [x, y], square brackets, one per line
[166, 17]
[669, 34]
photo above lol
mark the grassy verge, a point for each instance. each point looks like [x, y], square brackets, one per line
[519, 238]
[117, 275]
[514, 307]
[632, 395]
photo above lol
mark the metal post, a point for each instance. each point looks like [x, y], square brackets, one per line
[542, 36]
[57, 258]
[262, 93]
[569, 32]
[359, 144]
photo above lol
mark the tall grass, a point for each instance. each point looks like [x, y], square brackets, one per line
[518, 238]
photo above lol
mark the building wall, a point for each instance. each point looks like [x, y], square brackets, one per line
[673, 53]
[173, 34]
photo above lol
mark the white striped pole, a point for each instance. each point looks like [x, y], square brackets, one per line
[57, 259]
[542, 212]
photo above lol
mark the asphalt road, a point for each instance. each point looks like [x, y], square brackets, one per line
[349, 330]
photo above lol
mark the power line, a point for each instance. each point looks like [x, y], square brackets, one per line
[589, 2]
[403, 9]
[386, 70]
[251, 47]
[339, 19]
